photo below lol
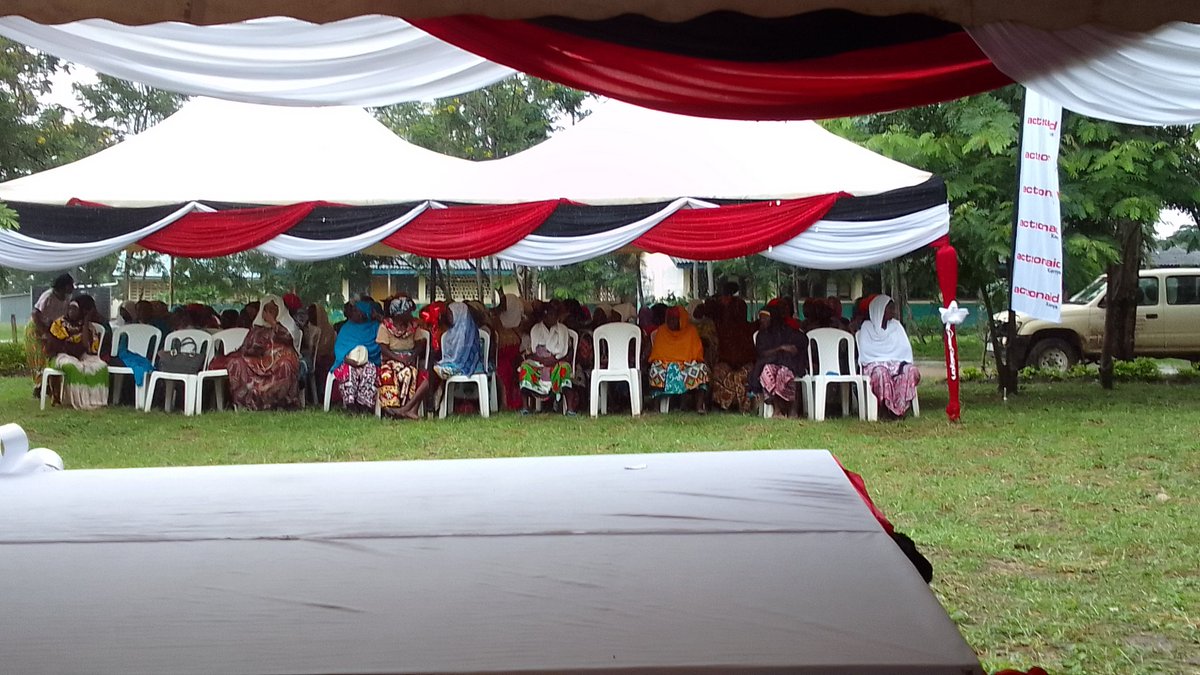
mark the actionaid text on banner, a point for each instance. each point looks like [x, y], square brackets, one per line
[1037, 251]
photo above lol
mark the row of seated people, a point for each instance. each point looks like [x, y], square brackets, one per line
[708, 351]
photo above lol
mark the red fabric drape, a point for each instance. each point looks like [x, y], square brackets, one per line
[211, 235]
[735, 230]
[463, 232]
[947, 273]
[855, 83]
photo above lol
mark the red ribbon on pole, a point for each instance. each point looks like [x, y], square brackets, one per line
[947, 272]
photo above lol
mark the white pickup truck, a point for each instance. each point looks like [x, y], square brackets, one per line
[1168, 322]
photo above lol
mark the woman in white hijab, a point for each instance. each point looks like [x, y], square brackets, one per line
[886, 357]
[264, 374]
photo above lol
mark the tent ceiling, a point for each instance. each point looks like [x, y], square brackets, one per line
[1060, 14]
[620, 154]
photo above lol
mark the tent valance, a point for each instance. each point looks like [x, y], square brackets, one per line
[547, 233]
[1134, 16]
[798, 63]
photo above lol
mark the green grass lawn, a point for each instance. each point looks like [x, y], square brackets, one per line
[1063, 525]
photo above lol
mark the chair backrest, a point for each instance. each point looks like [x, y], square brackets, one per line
[485, 341]
[140, 339]
[422, 334]
[202, 337]
[755, 338]
[228, 340]
[614, 338]
[826, 344]
[297, 339]
[100, 332]
[573, 346]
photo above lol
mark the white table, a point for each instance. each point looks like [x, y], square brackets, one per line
[732, 562]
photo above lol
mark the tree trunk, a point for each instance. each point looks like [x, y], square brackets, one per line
[1120, 304]
[994, 333]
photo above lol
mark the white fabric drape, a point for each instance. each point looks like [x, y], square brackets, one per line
[843, 245]
[1138, 78]
[309, 250]
[365, 61]
[540, 251]
[34, 255]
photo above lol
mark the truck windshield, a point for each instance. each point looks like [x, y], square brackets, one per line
[1090, 293]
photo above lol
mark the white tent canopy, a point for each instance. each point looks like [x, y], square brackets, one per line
[652, 163]
[620, 154]
[240, 152]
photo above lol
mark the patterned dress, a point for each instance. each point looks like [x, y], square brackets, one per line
[894, 383]
[674, 378]
[265, 373]
[85, 377]
[398, 380]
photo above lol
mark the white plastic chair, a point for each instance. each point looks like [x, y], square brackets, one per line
[614, 339]
[422, 363]
[826, 369]
[480, 380]
[204, 346]
[142, 339]
[223, 342]
[50, 371]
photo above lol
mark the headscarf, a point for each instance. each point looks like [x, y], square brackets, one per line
[513, 311]
[835, 307]
[460, 344]
[130, 307]
[877, 343]
[284, 317]
[677, 346]
[626, 311]
[401, 305]
[645, 317]
[354, 334]
[292, 302]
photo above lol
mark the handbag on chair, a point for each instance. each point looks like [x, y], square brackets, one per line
[181, 359]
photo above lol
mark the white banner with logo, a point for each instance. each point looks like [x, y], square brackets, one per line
[1038, 252]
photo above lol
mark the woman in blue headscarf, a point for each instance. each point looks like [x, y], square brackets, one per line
[461, 352]
[356, 358]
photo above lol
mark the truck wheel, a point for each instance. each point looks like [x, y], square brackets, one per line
[1052, 354]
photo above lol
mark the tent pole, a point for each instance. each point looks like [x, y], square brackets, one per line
[712, 284]
[171, 281]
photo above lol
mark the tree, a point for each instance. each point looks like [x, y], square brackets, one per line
[126, 107]
[1116, 181]
[497, 121]
[616, 276]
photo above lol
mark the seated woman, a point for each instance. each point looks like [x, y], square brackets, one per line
[462, 354]
[677, 360]
[545, 373]
[264, 372]
[782, 357]
[736, 355]
[74, 346]
[886, 357]
[358, 380]
[507, 336]
[401, 381]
